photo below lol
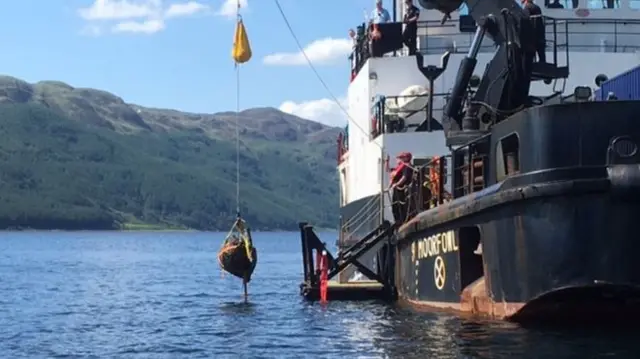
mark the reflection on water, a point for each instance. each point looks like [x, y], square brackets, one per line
[238, 308]
[400, 333]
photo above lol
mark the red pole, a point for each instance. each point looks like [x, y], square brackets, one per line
[324, 274]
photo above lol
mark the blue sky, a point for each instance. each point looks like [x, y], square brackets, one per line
[180, 58]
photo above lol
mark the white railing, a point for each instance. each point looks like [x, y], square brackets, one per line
[593, 35]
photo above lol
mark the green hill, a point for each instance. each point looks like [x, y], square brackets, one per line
[84, 159]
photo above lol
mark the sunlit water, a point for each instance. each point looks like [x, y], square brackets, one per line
[161, 295]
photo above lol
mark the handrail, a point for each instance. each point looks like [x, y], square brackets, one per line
[362, 212]
[581, 39]
[422, 194]
[381, 113]
[360, 224]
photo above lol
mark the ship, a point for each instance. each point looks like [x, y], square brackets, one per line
[539, 180]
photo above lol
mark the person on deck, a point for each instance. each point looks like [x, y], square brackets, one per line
[380, 15]
[539, 33]
[401, 178]
[354, 39]
[410, 33]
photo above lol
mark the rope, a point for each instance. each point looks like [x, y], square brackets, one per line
[350, 119]
[238, 226]
[238, 141]
[238, 125]
[313, 68]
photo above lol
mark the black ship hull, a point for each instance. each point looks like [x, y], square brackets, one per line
[542, 256]
[556, 243]
[359, 218]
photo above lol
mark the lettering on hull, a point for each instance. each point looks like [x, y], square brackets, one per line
[434, 246]
[434, 274]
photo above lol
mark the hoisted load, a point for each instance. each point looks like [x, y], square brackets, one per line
[241, 51]
[237, 255]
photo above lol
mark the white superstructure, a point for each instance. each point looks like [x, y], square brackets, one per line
[600, 41]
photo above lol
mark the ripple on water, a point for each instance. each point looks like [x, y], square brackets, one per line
[149, 295]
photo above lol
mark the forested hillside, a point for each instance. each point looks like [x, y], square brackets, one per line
[84, 159]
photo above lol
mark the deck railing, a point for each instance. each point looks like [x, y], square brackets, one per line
[590, 35]
[393, 119]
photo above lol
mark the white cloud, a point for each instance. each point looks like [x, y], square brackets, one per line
[134, 16]
[144, 27]
[184, 9]
[320, 52]
[325, 111]
[230, 7]
[119, 9]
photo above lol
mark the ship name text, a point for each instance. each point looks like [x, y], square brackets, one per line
[437, 244]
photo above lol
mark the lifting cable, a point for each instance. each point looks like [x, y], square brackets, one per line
[237, 68]
[241, 53]
[350, 119]
[237, 255]
[313, 68]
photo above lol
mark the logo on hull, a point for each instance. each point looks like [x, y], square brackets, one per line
[439, 272]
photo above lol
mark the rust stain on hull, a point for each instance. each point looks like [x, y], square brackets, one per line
[474, 301]
[599, 304]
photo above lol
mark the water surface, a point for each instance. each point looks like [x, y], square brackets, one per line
[162, 295]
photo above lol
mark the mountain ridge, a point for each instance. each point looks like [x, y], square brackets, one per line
[287, 163]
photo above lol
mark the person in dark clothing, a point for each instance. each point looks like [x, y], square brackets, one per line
[410, 33]
[537, 21]
[401, 178]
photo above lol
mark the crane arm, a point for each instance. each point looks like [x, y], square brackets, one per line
[504, 86]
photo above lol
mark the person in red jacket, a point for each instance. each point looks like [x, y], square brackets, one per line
[400, 180]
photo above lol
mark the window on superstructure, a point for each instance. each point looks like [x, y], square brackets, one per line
[507, 157]
[559, 4]
[604, 4]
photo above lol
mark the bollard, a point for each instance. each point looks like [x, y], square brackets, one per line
[324, 273]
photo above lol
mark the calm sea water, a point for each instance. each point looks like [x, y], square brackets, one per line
[161, 295]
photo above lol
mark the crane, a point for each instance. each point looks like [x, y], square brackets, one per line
[505, 84]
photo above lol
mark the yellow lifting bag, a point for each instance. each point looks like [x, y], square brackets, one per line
[241, 52]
